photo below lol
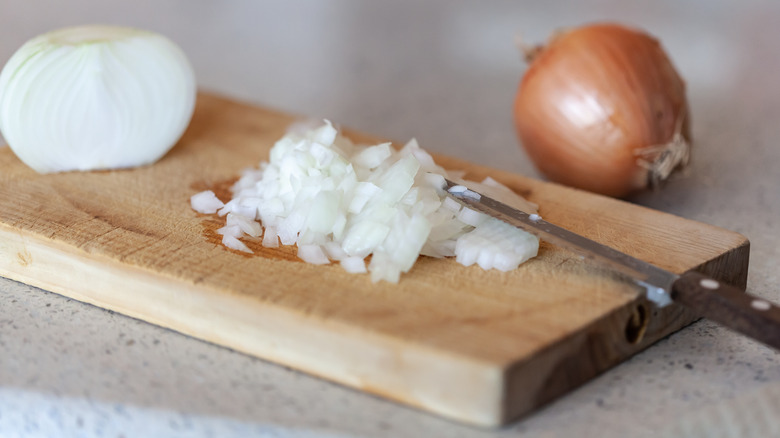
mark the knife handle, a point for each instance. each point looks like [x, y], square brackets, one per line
[731, 307]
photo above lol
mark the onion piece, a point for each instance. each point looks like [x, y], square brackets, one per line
[496, 245]
[371, 157]
[354, 265]
[471, 217]
[246, 225]
[270, 238]
[233, 243]
[206, 202]
[312, 254]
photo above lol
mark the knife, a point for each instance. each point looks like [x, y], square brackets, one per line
[712, 299]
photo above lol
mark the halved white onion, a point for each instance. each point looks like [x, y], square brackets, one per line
[95, 97]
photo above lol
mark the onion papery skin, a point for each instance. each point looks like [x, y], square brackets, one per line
[593, 100]
[95, 97]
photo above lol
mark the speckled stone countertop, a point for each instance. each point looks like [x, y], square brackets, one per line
[445, 73]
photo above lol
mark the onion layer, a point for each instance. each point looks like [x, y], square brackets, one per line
[603, 109]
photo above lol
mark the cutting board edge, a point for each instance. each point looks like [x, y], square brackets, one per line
[357, 357]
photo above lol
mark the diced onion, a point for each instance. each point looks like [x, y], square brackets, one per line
[233, 243]
[270, 238]
[206, 202]
[496, 245]
[343, 202]
[472, 194]
[471, 217]
[354, 265]
[312, 254]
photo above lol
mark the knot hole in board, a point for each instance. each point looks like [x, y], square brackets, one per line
[637, 324]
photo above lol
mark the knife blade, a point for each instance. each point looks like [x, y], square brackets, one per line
[712, 299]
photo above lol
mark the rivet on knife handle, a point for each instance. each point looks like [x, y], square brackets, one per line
[729, 306]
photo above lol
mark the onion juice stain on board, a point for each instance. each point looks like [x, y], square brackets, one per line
[210, 223]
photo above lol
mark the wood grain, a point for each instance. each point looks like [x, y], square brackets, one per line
[476, 346]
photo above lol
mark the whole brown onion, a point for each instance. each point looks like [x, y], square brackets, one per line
[602, 108]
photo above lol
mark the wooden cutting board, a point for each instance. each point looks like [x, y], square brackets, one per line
[476, 346]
